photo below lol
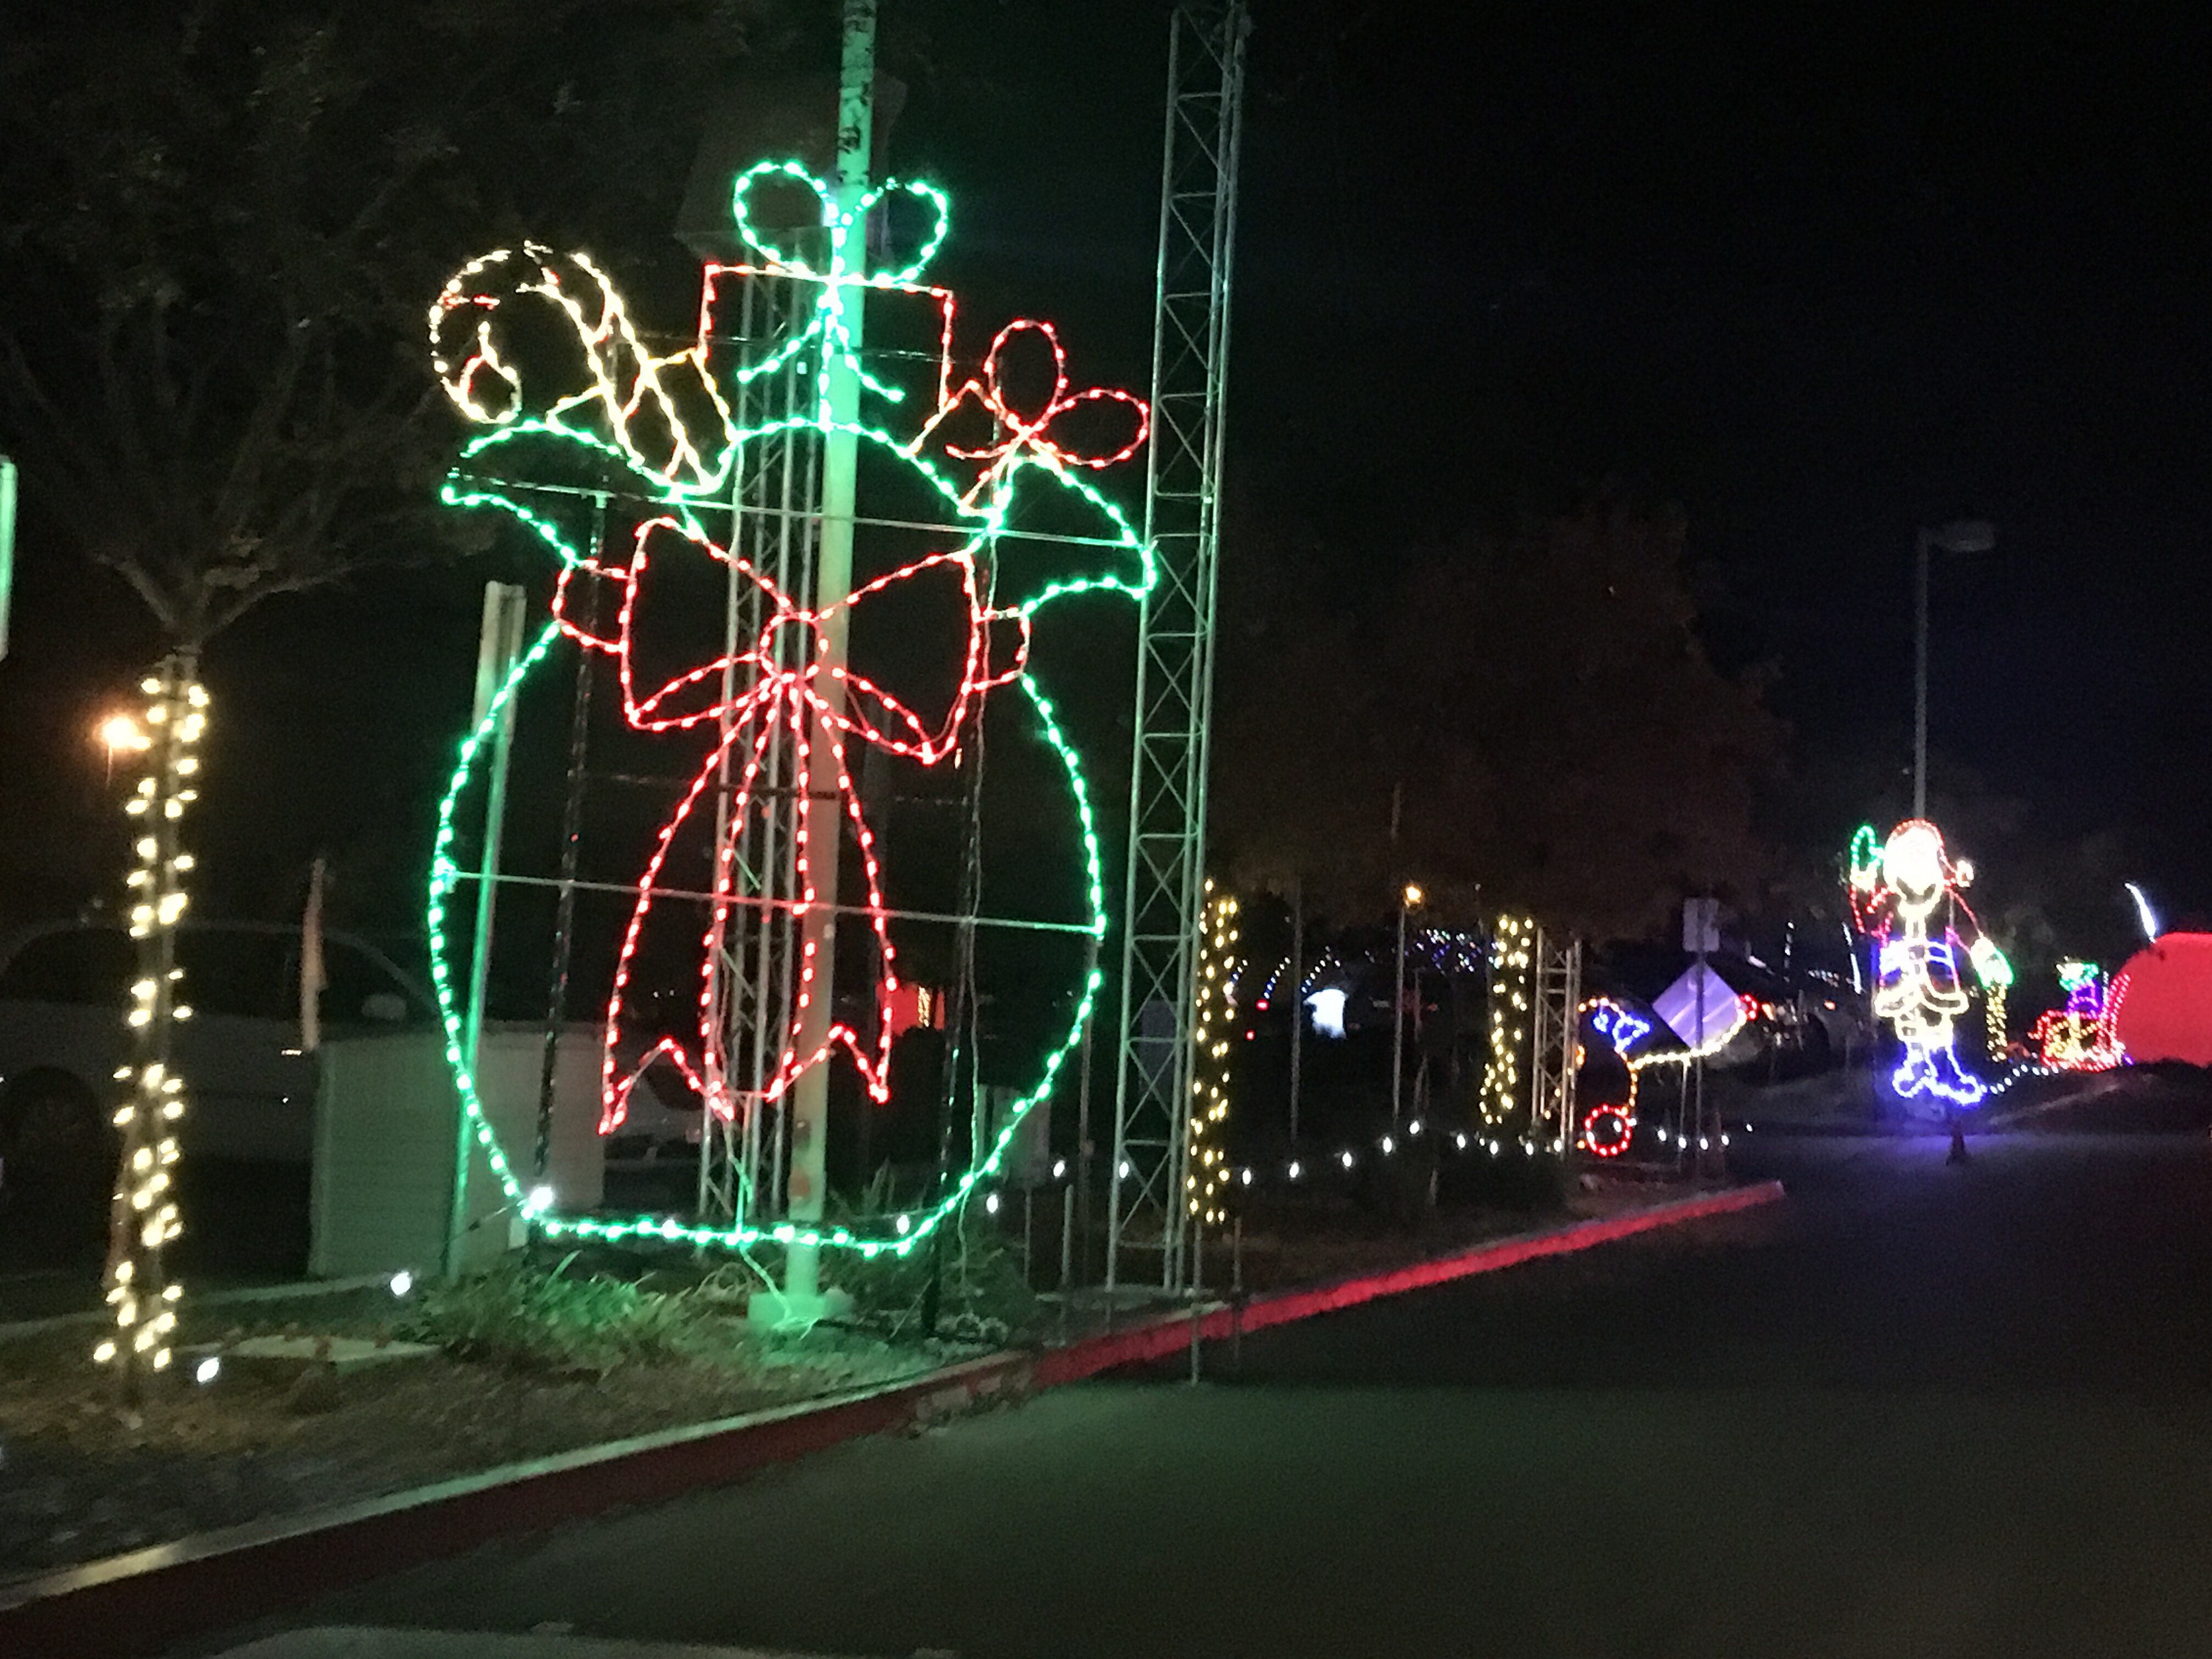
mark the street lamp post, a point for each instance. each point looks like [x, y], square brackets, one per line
[1407, 900]
[1961, 536]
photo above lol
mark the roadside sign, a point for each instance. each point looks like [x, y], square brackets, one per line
[1700, 1007]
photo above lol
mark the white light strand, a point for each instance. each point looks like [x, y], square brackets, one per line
[144, 1217]
[1511, 960]
[1211, 1031]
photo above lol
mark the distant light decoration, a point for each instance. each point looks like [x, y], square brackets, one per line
[2078, 1037]
[1607, 1129]
[1512, 967]
[144, 1217]
[1995, 971]
[1326, 1007]
[666, 420]
[1864, 879]
[1616, 1025]
[1609, 1126]
[1212, 1020]
[1919, 979]
[1448, 951]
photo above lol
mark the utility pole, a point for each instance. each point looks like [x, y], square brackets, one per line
[1408, 896]
[1920, 680]
[1963, 535]
[1398, 968]
[820, 814]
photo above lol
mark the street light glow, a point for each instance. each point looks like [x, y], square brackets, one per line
[123, 735]
[2143, 913]
[1965, 536]
[1413, 895]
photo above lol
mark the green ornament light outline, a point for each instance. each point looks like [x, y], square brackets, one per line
[463, 491]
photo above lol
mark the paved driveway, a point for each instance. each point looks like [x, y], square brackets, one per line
[1917, 1410]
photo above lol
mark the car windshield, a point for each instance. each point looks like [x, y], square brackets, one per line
[81, 965]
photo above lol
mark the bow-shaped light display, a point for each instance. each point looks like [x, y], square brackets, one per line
[828, 331]
[1027, 435]
[774, 696]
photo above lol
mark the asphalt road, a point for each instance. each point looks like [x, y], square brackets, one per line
[1917, 1410]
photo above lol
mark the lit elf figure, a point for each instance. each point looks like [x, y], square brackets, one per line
[1906, 896]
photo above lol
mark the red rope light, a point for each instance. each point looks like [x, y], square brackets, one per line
[776, 697]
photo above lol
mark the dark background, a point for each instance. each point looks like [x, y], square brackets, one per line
[1820, 280]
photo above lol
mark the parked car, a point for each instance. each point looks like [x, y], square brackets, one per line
[64, 992]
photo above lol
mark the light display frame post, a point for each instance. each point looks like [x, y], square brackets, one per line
[1555, 996]
[499, 647]
[1163, 901]
[1410, 897]
[565, 894]
[1298, 1009]
[819, 823]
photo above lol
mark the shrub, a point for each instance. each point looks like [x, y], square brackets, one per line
[525, 1315]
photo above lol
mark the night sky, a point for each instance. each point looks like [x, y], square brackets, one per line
[1820, 281]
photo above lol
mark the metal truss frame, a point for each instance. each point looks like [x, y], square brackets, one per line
[1164, 892]
[1556, 987]
[774, 512]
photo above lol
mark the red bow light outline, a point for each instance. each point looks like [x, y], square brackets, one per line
[789, 697]
[1026, 435]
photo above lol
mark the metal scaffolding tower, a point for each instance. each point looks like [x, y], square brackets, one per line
[1556, 979]
[774, 528]
[1165, 888]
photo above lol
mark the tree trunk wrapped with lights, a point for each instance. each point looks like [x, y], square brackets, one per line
[1212, 1027]
[144, 1217]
